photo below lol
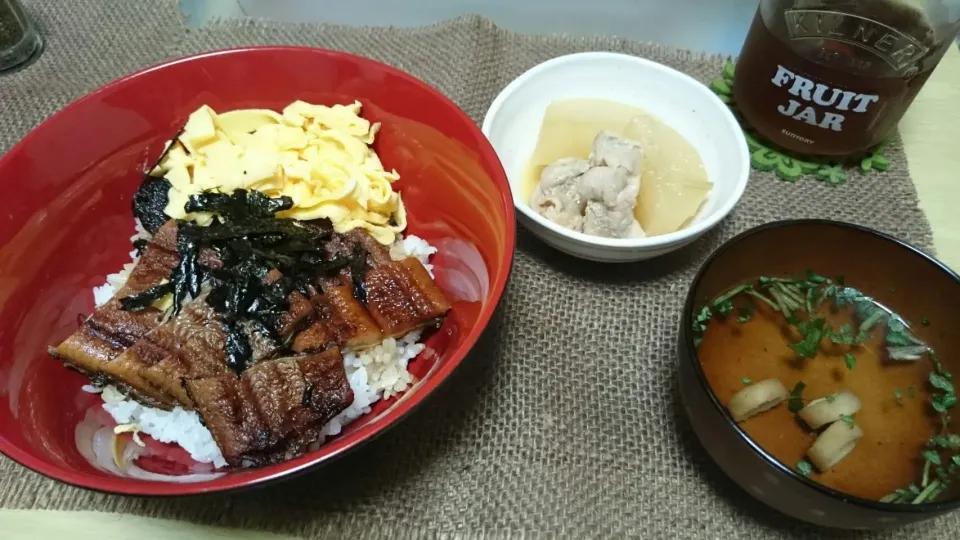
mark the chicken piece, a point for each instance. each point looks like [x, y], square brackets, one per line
[611, 195]
[598, 196]
[557, 195]
[609, 150]
[611, 187]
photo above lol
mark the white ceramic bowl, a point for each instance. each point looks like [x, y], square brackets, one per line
[513, 123]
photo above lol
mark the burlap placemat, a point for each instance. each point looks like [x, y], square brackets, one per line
[564, 422]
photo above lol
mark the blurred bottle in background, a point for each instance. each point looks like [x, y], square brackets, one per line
[834, 77]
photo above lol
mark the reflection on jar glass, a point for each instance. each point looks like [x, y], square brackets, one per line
[19, 39]
[834, 77]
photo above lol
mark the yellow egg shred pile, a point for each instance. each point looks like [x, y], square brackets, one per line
[318, 156]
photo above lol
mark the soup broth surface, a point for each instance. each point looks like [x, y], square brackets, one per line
[896, 414]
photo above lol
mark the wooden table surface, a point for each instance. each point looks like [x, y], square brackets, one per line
[931, 135]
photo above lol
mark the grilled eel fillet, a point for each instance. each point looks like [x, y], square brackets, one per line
[110, 330]
[275, 409]
[189, 346]
[400, 297]
[146, 358]
[183, 362]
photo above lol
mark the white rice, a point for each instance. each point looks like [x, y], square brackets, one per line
[103, 293]
[374, 374]
[177, 426]
[414, 246]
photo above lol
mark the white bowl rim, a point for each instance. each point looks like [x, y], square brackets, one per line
[693, 230]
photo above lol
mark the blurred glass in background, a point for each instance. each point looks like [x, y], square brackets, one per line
[19, 39]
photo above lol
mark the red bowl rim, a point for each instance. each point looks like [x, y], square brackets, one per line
[338, 447]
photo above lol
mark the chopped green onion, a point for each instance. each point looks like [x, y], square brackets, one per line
[850, 360]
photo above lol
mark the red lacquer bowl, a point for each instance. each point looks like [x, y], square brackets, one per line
[65, 222]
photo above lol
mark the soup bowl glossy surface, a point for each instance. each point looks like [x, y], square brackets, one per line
[66, 221]
[897, 275]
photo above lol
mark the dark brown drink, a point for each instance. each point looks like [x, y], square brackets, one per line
[833, 77]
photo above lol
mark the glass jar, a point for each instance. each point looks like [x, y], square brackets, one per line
[19, 39]
[834, 77]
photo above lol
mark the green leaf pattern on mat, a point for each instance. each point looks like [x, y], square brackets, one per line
[875, 159]
[753, 143]
[832, 175]
[809, 167]
[728, 70]
[765, 157]
[787, 168]
[721, 86]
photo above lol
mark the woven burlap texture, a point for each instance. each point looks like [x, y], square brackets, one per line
[564, 421]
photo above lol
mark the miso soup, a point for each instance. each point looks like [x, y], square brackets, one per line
[834, 385]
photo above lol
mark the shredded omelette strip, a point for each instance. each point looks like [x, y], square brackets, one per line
[319, 156]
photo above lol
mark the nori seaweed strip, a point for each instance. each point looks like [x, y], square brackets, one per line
[358, 273]
[251, 242]
[264, 231]
[143, 299]
[151, 198]
[237, 347]
[239, 205]
[150, 202]
[140, 244]
[187, 276]
[307, 395]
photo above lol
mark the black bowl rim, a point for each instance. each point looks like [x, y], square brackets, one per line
[686, 321]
